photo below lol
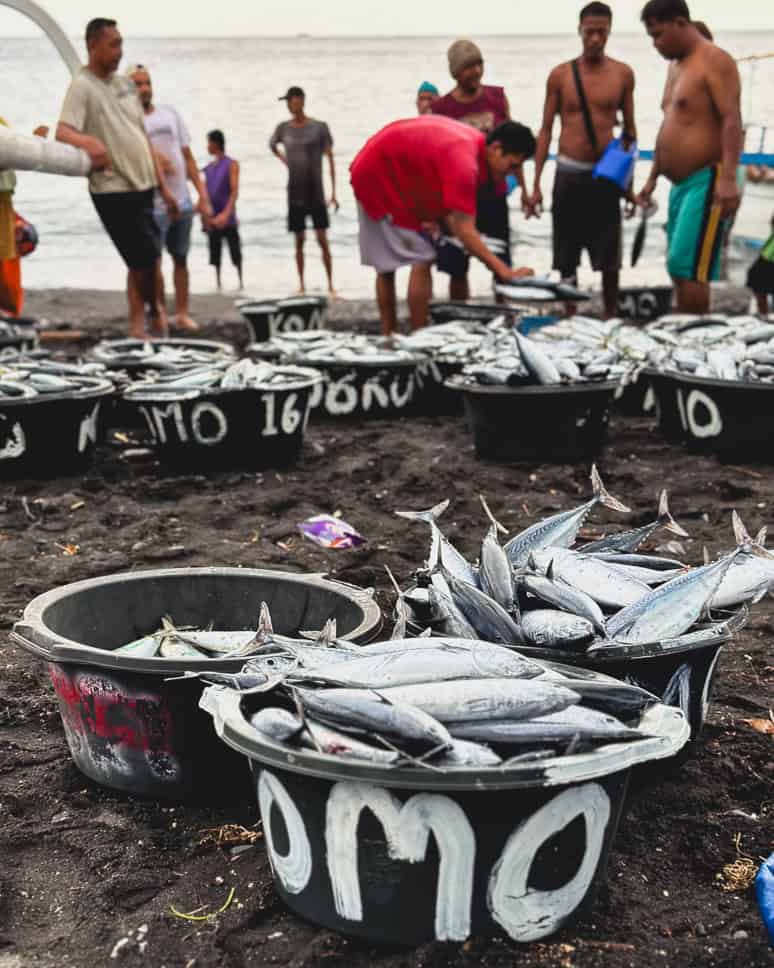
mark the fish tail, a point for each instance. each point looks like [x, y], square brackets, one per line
[393, 581]
[429, 516]
[603, 496]
[760, 537]
[495, 523]
[665, 518]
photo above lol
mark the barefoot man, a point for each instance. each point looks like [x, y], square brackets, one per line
[305, 141]
[586, 212]
[697, 148]
[414, 175]
[102, 115]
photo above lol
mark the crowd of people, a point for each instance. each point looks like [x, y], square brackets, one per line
[431, 190]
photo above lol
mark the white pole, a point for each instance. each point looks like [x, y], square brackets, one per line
[23, 152]
[50, 28]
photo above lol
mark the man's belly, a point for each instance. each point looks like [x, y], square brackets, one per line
[684, 149]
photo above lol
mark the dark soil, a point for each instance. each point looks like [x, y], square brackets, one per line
[88, 876]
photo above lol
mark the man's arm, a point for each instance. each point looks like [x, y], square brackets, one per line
[629, 126]
[550, 110]
[519, 173]
[725, 91]
[221, 219]
[643, 197]
[92, 146]
[274, 141]
[333, 200]
[173, 209]
[194, 176]
[464, 227]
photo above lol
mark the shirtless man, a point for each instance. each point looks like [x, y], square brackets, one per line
[697, 148]
[586, 213]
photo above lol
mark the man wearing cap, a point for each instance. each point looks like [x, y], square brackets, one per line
[483, 107]
[171, 144]
[414, 175]
[305, 141]
[102, 115]
[426, 95]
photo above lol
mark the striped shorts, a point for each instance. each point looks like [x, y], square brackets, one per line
[695, 229]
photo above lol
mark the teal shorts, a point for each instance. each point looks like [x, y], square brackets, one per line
[695, 229]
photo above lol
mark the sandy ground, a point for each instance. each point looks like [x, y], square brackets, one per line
[83, 867]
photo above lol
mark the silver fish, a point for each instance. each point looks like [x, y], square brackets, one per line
[670, 609]
[564, 597]
[559, 530]
[609, 586]
[276, 724]
[562, 726]
[463, 752]
[549, 628]
[489, 619]
[364, 711]
[455, 562]
[324, 739]
[495, 569]
[485, 698]
[445, 614]
[425, 665]
[630, 541]
[144, 648]
[538, 363]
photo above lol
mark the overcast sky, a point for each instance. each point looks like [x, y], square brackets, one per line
[335, 17]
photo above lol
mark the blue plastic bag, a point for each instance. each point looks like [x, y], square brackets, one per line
[617, 163]
[764, 891]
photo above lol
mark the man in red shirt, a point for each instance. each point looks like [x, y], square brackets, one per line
[416, 174]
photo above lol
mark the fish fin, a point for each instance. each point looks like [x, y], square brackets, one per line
[760, 537]
[532, 564]
[740, 531]
[603, 496]
[550, 570]
[760, 593]
[394, 582]
[665, 518]
[425, 633]
[428, 516]
[327, 636]
[491, 517]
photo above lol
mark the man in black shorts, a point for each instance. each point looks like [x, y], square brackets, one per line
[586, 212]
[305, 141]
[102, 115]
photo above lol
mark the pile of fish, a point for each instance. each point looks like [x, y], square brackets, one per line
[508, 358]
[326, 347]
[11, 332]
[31, 379]
[225, 375]
[543, 589]
[159, 354]
[735, 348]
[434, 702]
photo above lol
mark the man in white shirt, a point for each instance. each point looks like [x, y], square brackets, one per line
[171, 145]
[101, 114]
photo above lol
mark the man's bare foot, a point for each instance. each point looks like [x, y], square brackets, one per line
[301, 291]
[159, 326]
[137, 330]
[185, 324]
[333, 295]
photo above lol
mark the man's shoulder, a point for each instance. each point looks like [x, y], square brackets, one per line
[716, 58]
[621, 67]
[558, 73]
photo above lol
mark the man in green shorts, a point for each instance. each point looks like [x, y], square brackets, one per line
[697, 148]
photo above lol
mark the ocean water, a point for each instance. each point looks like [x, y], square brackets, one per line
[357, 85]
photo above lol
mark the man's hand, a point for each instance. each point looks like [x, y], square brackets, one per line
[204, 207]
[218, 221]
[513, 275]
[164, 162]
[333, 202]
[644, 195]
[97, 151]
[727, 195]
[533, 204]
[433, 229]
[630, 204]
[173, 209]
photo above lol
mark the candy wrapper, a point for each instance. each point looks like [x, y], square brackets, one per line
[330, 532]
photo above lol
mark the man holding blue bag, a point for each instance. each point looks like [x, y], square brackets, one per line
[593, 170]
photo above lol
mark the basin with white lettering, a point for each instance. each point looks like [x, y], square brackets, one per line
[51, 434]
[407, 855]
[267, 318]
[234, 427]
[732, 419]
[129, 728]
[547, 423]
[359, 389]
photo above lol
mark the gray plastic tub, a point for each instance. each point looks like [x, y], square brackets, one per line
[126, 726]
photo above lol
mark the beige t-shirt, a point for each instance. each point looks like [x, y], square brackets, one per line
[111, 111]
